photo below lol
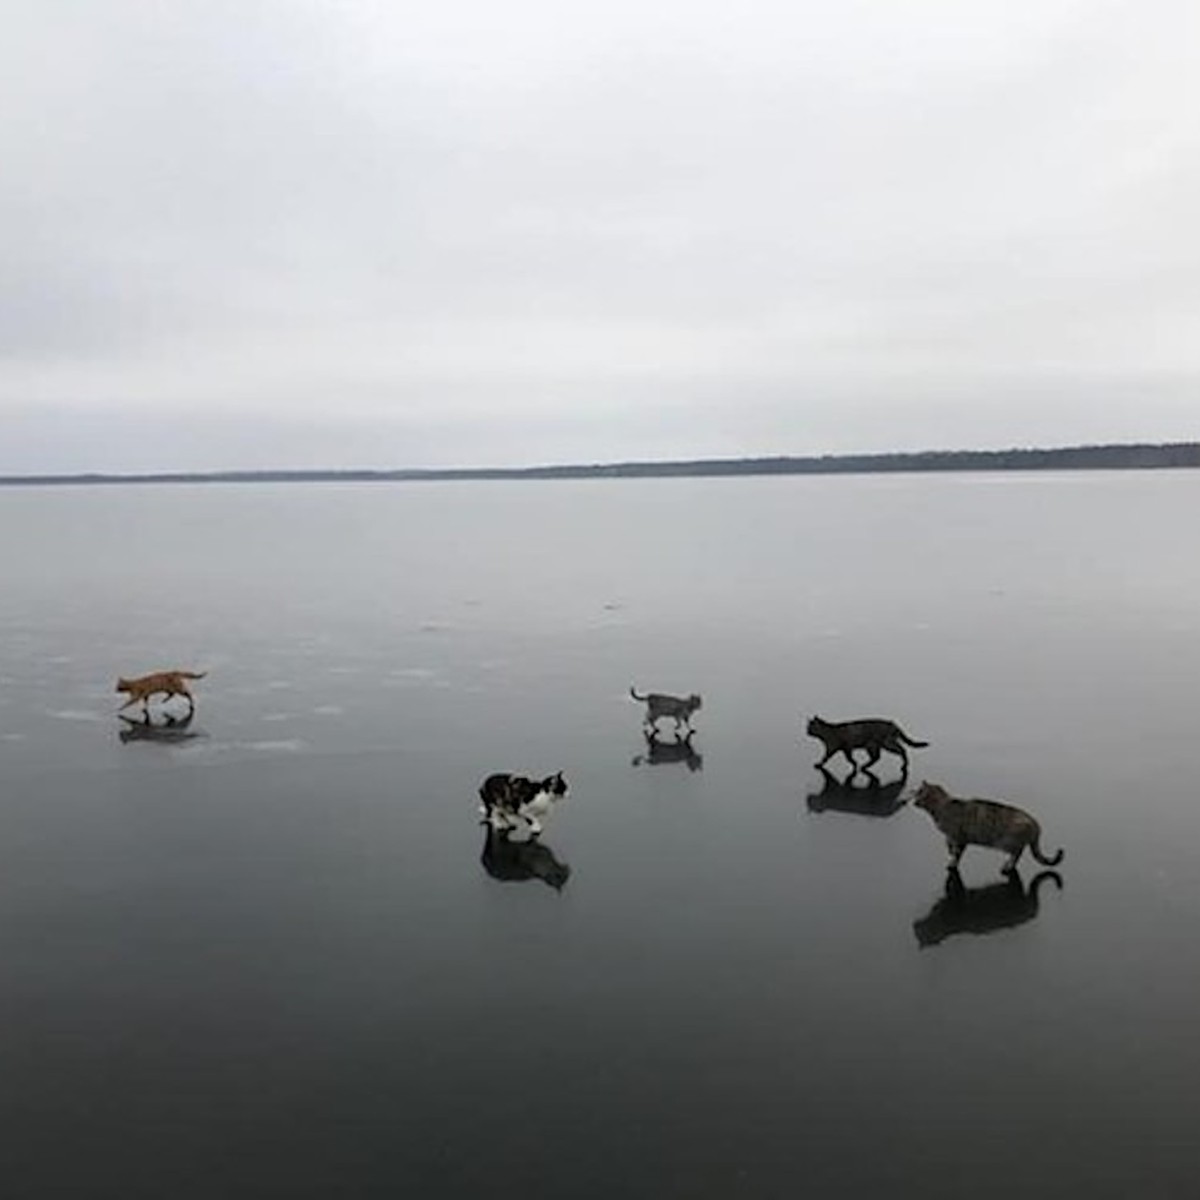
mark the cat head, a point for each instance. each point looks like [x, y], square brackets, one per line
[694, 702]
[555, 785]
[550, 870]
[122, 685]
[929, 930]
[814, 723]
[930, 796]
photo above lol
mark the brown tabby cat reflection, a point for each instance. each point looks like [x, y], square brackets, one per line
[983, 823]
[981, 909]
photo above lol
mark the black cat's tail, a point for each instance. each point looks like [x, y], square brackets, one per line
[635, 695]
[908, 741]
[1036, 850]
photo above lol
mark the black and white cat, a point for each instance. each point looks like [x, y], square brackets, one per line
[510, 800]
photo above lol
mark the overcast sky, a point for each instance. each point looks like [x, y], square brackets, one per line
[253, 234]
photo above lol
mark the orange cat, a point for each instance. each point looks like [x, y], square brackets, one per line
[173, 683]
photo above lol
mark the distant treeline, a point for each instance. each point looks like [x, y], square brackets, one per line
[1070, 458]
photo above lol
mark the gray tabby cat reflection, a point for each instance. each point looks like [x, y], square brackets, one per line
[981, 909]
[983, 823]
[679, 750]
[676, 708]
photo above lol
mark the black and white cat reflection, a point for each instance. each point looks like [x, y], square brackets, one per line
[981, 909]
[516, 861]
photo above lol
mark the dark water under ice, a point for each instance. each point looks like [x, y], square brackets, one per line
[259, 955]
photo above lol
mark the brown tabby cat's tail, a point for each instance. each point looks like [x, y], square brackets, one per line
[1036, 850]
[635, 695]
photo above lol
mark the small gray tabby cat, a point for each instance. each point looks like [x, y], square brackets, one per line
[659, 705]
[983, 823]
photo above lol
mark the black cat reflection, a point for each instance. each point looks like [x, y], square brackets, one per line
[873, 799]
[979, 910]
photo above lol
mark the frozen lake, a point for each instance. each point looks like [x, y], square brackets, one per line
[262, 958]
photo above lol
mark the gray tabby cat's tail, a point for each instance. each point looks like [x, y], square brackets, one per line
[635, 695]
[1036, 850]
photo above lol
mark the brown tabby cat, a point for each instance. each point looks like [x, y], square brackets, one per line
[872, 734]
[983, 823]
[171, 683]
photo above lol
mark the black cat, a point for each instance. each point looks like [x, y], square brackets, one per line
[872, 734]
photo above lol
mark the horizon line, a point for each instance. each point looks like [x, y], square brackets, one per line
[1111, 455]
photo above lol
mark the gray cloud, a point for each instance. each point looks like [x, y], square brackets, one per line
[276, 234]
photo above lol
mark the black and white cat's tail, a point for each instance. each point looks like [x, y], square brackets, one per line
[1036, 850]
[635, 695]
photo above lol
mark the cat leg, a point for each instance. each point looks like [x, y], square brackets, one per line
[1010, 867]
[956, 852]
[874, 752]
[535, 826]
